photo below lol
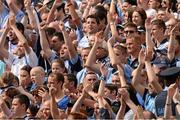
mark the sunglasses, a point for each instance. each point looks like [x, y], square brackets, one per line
[129, 31]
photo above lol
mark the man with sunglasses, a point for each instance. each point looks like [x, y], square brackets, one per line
[133, 43]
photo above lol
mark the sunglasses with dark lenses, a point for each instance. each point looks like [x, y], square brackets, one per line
[129, 31]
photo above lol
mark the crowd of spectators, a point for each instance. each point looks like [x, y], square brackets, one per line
[89, 59]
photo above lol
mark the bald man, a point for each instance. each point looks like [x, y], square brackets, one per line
[37, 76]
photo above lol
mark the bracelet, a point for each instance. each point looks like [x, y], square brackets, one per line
[103, 78]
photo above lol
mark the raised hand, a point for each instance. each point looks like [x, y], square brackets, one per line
[141, 58]
[42, 25]
[171, 90]
[103, 69]
[99, 38]
[52, 91]
[61, 26]
[176, 29]
[148, 25]
[124, 93]
[27, 3]
[12, 20]
[176, 97]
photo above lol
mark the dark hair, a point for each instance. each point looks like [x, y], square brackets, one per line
[50, 31]
[59, 35]
[72, 78]
[111, 87]
[101, 13]
[142, 13]
[23, 99]
[11, 92]
[26, 68]
[159, 23]
[58, 76]
[33, 110]
[93, 17]
[20, 27]
[7, 77]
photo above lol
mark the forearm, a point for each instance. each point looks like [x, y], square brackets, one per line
[53, 108]
[74, 14]
[168, 108]
[171, 48]
[30, 11]
[77, 105]
[136, 76]
[121, 76]
[132, 106]
[92, 55]
[86, 12]
[51, 16]
[152, 78]
[101, 88]
[121, 112]
[70, 46]
[3, 37]
[149, 43]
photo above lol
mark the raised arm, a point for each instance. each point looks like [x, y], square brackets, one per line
[43, 40]
[77, 105]
[176, 100]
[113, 57]
[149, 42]
[127, 99]
[168, 105]
[152, 78]
[73, 13]
[70, 46]
[122, 109]
[90, 63]
[172, 42]
[51, 16]
[137, 72]
[30, 11]
[3, 51]
[19, 35]
[53, 105]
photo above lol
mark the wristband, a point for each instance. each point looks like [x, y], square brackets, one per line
[103, 78]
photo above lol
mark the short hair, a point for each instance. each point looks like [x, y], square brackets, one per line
[101, 13]
[59, 35]
[11, 92]
[26, 68]
[58, 76]
[93, 17]
[7, 77]
[111, 87]
[60, 61]
[50, 31]
[159, 23]
[20, 27]
[23, 99]
[72, 78]
[130, 24]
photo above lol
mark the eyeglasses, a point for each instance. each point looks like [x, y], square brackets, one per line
[129, 31]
